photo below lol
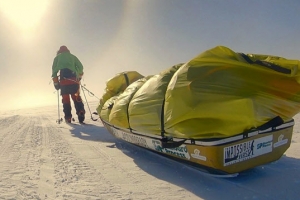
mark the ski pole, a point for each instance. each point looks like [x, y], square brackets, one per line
[59, 119]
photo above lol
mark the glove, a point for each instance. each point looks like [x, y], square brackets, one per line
[56, 85]
[79, 77]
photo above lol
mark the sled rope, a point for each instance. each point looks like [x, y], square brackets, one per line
[88, 105]
[83, 86]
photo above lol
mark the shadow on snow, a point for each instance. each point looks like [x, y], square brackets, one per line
[276, 180]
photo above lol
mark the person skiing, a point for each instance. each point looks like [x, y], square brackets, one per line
[71, 72]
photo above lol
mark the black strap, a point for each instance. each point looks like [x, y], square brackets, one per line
[127, 82]
[266, 64]
[165, 143]
[277, 121]
[162, 120]
[126, 78]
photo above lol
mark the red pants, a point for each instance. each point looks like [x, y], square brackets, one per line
[77, 103]
[75, 97]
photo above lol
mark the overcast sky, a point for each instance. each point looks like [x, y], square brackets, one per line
[148, 36]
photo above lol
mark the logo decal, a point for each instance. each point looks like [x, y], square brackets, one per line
[180, 151]
[281, 141]
[197, 155]
[247, 150]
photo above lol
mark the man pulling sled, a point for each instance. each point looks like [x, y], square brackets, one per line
[71, 72]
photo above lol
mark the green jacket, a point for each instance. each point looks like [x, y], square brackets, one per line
[67, 60]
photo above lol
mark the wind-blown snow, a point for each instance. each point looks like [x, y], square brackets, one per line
[40, 159]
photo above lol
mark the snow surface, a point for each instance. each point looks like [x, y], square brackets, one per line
[40, 159]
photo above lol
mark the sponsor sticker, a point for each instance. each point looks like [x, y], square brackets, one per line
[134, 139]
[130, 138]
[281, 141]
[247, 150]
[180, 151]
[197, 155]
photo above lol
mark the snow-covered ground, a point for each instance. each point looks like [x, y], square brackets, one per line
[40, 159]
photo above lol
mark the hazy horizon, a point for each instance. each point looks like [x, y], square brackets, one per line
[112, 36]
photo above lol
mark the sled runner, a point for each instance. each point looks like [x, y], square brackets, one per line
[223, 111]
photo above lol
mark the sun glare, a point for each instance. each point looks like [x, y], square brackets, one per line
[25, 14]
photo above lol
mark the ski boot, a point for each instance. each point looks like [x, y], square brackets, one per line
[68, 120]
[81, 116]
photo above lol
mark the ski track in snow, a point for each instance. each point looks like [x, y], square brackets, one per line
[40, 159]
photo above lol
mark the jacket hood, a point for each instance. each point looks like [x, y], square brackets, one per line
[63, 49]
